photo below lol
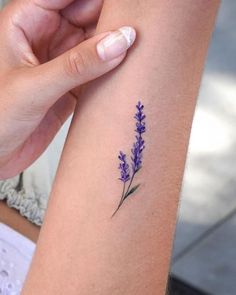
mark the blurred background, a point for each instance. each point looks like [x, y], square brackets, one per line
[204, 254]
[205, 244]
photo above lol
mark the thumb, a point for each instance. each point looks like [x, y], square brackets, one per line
[87, 61]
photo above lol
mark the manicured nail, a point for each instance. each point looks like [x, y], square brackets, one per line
[116, 43]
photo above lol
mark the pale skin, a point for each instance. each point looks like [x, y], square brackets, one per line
[42, 54]
[81, 249]
[130, 253]
[48, 50]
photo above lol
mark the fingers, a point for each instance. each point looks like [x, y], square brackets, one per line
[89, 60]
[39, 139]
[78, 12]
[90, 31]
[53, 4]
[83, 12]
[65, 38]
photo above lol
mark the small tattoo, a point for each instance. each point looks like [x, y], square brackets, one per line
[127, 174]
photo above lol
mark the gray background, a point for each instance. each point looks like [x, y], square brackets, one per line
[205, 244]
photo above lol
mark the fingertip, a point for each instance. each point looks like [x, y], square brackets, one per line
[117, 60]
[116, 43]
[129, 34]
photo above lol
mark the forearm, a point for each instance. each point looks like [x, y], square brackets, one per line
[81, 249]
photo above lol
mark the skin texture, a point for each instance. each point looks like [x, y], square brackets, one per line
[48, 50]
[81, 249]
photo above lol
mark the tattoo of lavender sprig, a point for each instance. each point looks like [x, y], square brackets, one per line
[136, 158]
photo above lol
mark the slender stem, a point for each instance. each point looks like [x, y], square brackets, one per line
[123, 191]
[116, 210]
[124, 194]
[121, 200]
[131, 180]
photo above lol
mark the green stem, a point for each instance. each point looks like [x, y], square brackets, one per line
[124, 194]
[121, 200]
[131, 181]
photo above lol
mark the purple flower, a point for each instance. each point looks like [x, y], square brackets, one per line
[136, 158]
[138, 146]
[124, 168]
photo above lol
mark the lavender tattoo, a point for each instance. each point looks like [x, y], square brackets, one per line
[127, 176]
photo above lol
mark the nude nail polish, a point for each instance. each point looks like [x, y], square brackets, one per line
[116, 43]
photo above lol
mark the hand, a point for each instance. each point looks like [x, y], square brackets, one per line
[48, 50]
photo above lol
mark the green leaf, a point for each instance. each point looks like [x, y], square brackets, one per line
[131, 191]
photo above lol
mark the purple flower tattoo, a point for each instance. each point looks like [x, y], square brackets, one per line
[127, 176]
[124, 168]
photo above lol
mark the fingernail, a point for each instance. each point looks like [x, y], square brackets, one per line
[116, 43]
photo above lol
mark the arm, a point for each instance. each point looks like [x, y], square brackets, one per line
[81, 249]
